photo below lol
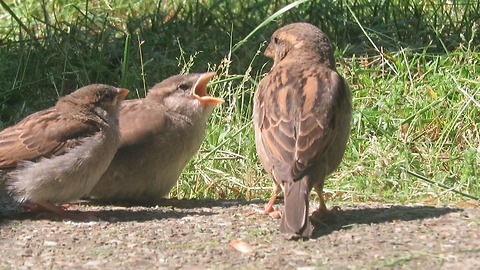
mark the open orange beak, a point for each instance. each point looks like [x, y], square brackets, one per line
[200, 90]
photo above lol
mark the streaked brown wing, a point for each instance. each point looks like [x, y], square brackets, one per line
[43, 134]
[297, 117]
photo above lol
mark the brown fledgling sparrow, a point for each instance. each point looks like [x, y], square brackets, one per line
[302, 113]
[159, 135]
[57, 155]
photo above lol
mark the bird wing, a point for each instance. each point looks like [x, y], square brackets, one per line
[139, 120]
[297, 117]
[43, 134]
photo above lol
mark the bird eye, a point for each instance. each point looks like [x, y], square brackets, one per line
[104, 96]
[184, 86]
[110, 96]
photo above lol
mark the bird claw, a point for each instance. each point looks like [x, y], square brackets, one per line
[269, 209]
[35, 207]
[324, 213]
[52, 211]
[272, 211]
[275, 214]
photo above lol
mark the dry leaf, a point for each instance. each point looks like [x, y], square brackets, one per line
[241, 246]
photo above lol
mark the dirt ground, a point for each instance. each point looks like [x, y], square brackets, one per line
[197, 234]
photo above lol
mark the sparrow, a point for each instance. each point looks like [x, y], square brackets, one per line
[57, 155]
[302, 113]
[159, 135]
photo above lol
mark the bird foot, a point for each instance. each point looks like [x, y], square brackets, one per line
[269, 209]
[35, 207]
[52, 211]
[272, 211]
[324, 213]
[275, 214]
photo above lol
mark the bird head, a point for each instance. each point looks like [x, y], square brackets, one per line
[101, 98]
[298, 39]
[186, 94]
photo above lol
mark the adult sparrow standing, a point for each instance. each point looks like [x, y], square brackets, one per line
[302, 114]
[57, 155]
[159, 135]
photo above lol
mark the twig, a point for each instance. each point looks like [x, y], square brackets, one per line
[421, 177]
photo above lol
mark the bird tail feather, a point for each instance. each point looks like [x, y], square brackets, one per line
[295, 219]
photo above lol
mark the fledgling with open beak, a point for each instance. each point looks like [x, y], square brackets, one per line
[57, 155]
[302, 113]
[159, 135]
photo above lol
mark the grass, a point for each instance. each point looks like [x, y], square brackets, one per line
[413, 67]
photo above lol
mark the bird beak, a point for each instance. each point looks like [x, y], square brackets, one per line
[200, 90]
[270, 51]
[122, 93]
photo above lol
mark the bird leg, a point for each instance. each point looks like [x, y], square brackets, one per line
[269, 208]
[322, 211]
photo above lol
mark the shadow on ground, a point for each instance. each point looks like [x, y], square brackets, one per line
[175, 203]
[125, 212]
[346, 219]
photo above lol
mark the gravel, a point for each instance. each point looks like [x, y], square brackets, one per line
[201, 234]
